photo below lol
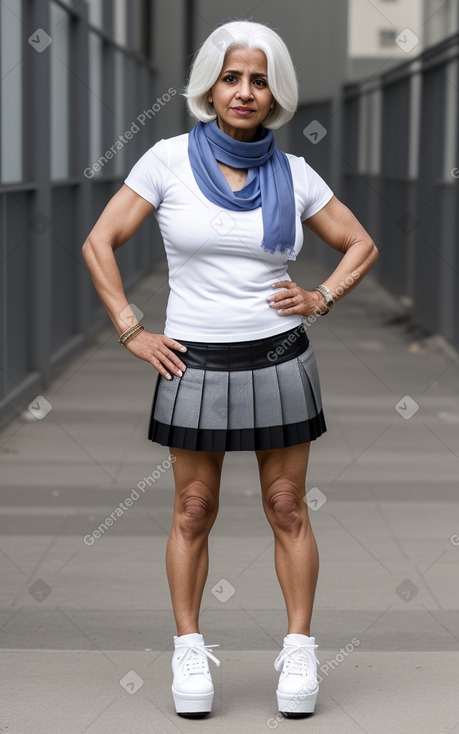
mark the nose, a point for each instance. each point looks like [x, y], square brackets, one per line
[245, 90]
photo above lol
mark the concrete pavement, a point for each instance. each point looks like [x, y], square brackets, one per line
[86, 626]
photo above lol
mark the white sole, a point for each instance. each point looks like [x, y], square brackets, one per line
[296, 703]
[192, 703]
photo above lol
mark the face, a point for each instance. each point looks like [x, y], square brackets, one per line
[241, 96]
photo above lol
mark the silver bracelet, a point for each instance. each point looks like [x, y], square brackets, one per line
[328, 296]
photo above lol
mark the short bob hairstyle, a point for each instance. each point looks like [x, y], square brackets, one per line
[208, 63]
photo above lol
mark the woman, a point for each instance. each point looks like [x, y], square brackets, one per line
[236, 370]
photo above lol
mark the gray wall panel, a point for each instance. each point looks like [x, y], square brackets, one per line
[65, 267]
[49, 306]
[430, 193]
[414, 217]
[16, 293]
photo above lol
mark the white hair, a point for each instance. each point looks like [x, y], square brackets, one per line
[208, 63]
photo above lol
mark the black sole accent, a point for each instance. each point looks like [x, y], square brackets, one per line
[194, 714]
[296, 714]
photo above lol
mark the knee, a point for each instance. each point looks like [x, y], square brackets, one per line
[197, 509]
[284, 505]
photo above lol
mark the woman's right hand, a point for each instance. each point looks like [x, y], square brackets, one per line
[156, 349]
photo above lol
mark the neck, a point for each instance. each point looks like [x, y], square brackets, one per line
[241, 134]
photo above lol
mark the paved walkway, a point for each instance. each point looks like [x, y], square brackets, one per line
[87, 627]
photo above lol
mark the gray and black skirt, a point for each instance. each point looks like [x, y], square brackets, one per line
[240, 396]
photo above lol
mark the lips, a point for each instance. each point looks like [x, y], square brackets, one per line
[243, 111]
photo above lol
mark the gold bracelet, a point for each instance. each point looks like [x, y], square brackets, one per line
[130, 332]
[127, 331]
[128, 338]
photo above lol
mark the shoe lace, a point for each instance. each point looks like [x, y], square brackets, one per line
[194, 656]
[296, 658]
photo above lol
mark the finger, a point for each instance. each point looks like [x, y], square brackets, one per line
[161, 365]
[278, 297]
[287, 311]
[158, 365]
[177, 367]
[290, 300]
[286, 293]
[172, 362]
[173, 358]
[173, 344]
[285, 283]
[286, 301]
[160, 348]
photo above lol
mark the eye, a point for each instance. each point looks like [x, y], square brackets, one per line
[261, 82]
[229, 78]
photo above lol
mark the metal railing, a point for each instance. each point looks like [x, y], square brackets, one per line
[400, 150]
[48, 305]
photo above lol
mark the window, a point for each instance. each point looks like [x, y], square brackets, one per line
[96, 15]
[11, 90]
[145, 41]
[95, 98]
[60, 33]
[120, 21]
[140, 22]
[119, 121]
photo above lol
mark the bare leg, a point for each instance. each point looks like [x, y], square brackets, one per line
[282, 479]
[197, 483]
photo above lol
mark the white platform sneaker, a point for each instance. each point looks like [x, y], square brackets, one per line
[192, 687]
[298, 683]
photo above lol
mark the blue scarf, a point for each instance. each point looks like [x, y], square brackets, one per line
[269, 180]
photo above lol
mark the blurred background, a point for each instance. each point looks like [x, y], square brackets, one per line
[85, 613]
[88, 86]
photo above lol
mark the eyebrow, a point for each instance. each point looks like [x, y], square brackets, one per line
[255, 74]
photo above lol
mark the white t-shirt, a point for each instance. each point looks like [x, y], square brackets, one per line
[219, 276]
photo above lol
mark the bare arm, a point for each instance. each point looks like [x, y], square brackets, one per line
[120, 219]
[337, 226]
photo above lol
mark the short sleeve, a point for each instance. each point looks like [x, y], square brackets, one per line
[318, 193]
[148, 177]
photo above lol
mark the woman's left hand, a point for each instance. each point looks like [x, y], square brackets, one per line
[295, 300]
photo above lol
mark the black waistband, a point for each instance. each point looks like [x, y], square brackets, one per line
[245, 355]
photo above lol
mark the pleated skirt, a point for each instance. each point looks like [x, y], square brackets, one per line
[240, 396]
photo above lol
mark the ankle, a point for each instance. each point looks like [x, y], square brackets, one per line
[191, 629]
[294, 631]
